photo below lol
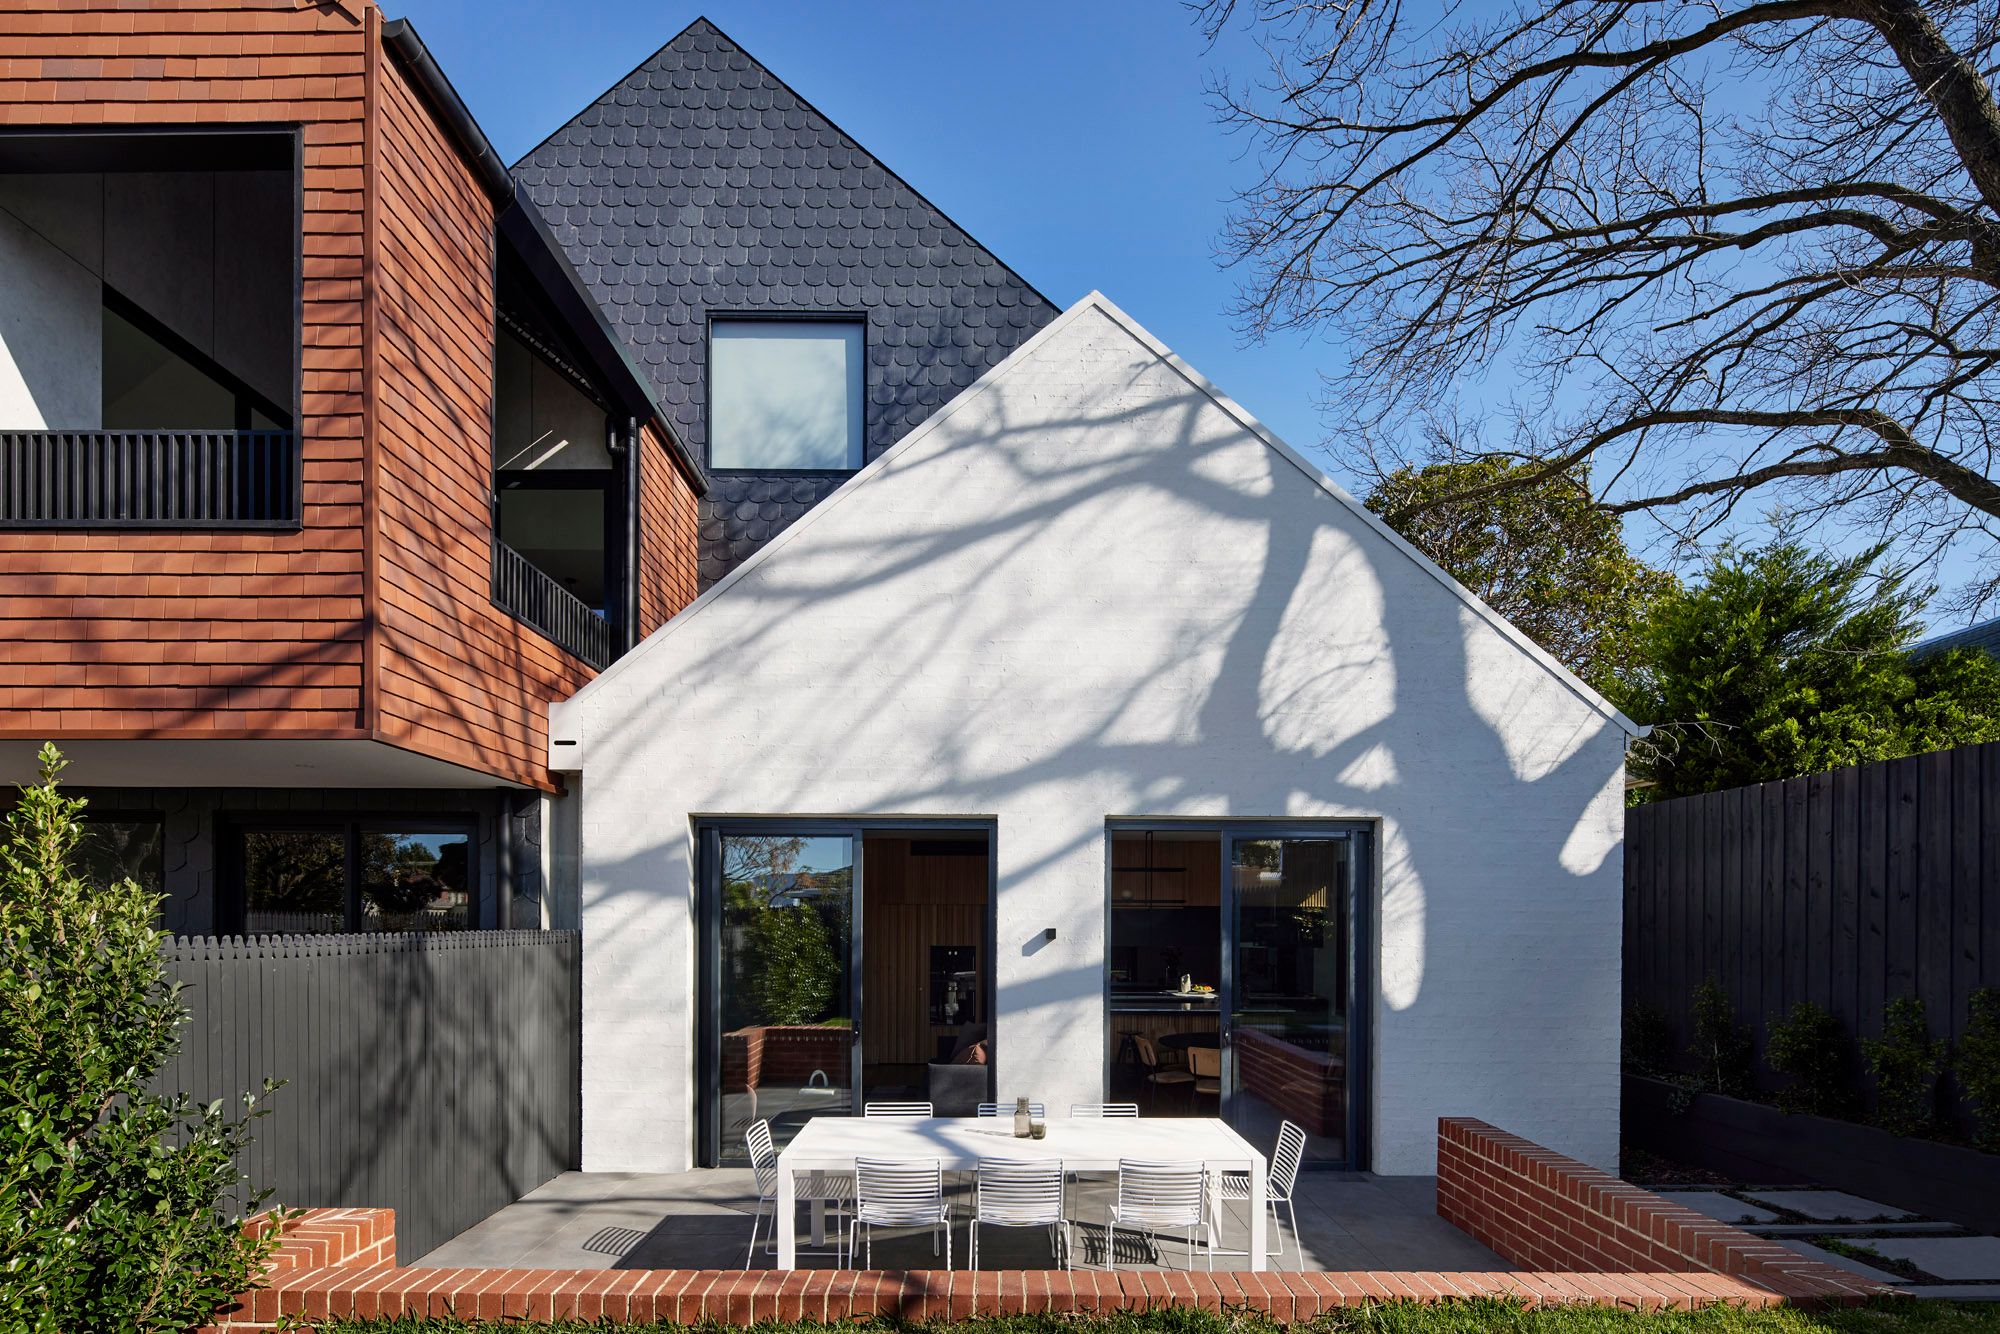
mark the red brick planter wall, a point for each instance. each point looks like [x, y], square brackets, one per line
[1583, 1236]
[1544, 1211]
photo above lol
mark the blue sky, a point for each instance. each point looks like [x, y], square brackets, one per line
[1074, 140]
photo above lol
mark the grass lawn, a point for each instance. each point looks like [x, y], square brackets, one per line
[1483, 1317]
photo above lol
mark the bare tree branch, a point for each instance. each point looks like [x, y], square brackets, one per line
[1755, 246]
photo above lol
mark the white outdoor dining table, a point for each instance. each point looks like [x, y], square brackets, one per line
[832, 1143]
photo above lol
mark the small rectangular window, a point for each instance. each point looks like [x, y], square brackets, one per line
[361, 875]
[785, 394]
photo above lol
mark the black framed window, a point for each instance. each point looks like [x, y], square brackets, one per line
[786, 395]
[305, 877]
[120, 845]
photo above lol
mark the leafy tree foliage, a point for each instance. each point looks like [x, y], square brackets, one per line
[1542, 555]
[1785, 662]
[120, 1209]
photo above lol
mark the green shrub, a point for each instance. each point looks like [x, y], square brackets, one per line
[119, 1209]
[1810, 1048]
[1721, 1045]
[1979, 1067]
[1906, 1062]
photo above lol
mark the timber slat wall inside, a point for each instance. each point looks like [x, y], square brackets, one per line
[433, 1074]
[1847, 889]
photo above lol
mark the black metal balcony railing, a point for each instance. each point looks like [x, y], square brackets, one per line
[528, 593]
[149, 479]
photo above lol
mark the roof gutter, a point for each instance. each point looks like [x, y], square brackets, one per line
[401, 38]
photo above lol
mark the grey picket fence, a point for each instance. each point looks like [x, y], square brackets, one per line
[435, 1074]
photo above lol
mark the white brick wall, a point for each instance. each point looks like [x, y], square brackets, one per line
[1092, 588]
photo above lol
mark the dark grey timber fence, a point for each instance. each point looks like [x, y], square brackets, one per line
[1847, 889]
[435, 1074]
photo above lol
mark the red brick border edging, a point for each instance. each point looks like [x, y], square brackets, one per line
[1584, 1235]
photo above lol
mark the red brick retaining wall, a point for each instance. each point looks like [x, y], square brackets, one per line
[1547, 1212]
[1581, 1235]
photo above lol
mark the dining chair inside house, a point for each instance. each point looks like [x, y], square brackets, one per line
[1094, 1110]
[1279, 1182]
[1007, 1109]
[1156, 1197]
[894, 1109]
[1205, 1064]
[900, 1193]
[1009, 1192]
[834, 1188]
[1160, 1078]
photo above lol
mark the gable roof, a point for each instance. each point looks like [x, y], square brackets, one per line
[702, 183]
[561, 734]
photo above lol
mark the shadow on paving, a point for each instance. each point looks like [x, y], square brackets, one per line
[701, 1220]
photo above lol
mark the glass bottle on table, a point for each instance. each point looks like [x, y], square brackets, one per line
[1023, 1123]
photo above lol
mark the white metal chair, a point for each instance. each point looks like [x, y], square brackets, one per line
[1278, 1182]
[897, 1192]
[1092, 1110]
[916, 1109]
[1013, 1192]
[1007, 1109]
[835, 1188]
[1157, 1196]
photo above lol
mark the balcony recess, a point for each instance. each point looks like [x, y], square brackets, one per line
[149, 479]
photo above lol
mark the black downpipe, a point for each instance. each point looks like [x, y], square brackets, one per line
[633, 449]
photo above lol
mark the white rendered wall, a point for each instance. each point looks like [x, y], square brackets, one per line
[1088, 589]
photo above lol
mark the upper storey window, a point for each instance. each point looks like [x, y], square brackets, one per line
[785, 395]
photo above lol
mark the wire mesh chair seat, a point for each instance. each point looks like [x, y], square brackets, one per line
[898, 1192]
[1093, 1110]
[1012, 1192]
[1155, 1197]
[1007, 1109]
[1279, 1182]
[914, 1109]
[835, 1188]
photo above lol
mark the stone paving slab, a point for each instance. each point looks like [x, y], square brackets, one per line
[1957, 1292]
[1828, 1204]
[1841, 1262]
[1717, 1205]
[1954, 1258]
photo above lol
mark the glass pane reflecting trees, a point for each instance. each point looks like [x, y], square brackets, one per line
[786, 994]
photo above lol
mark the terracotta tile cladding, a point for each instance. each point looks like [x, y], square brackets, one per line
[700, 184]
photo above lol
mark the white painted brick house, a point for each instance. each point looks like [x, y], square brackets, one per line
[1087, 685]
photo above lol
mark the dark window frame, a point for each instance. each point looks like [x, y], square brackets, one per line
[767, 315]
[1363, 977]
[232, 899]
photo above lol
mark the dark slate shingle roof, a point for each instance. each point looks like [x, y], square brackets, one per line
[701, 183]
[1985, 635]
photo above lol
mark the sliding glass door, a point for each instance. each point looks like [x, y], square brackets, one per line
[1291, 1050]
[785, 987]
[1237, 977]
